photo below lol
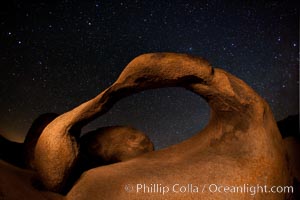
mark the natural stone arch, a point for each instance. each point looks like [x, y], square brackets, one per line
[241, 143]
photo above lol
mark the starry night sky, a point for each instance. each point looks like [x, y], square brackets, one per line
[57, 55]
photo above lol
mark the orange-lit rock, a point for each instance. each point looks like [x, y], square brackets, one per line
[16, 183]
[240, 145]
[114, 144]
[33, 135]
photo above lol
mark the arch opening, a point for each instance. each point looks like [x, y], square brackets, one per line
[167, 115]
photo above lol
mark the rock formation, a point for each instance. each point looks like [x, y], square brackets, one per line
[22, 154]
[107, 145]
[103, 146]
[289, 129]
[113, 144]
[11, 152]
[100, 147]
[33, 135]
[16, 183]
[240, 145]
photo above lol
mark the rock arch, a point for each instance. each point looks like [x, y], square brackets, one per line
[241, 144]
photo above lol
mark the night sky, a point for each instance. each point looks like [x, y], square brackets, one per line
[57, 55]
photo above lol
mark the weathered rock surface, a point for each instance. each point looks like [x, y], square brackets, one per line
[22, 154]
[240, 145]
[107, 145]
[33, 135]
[114, 144]
[16, 184]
